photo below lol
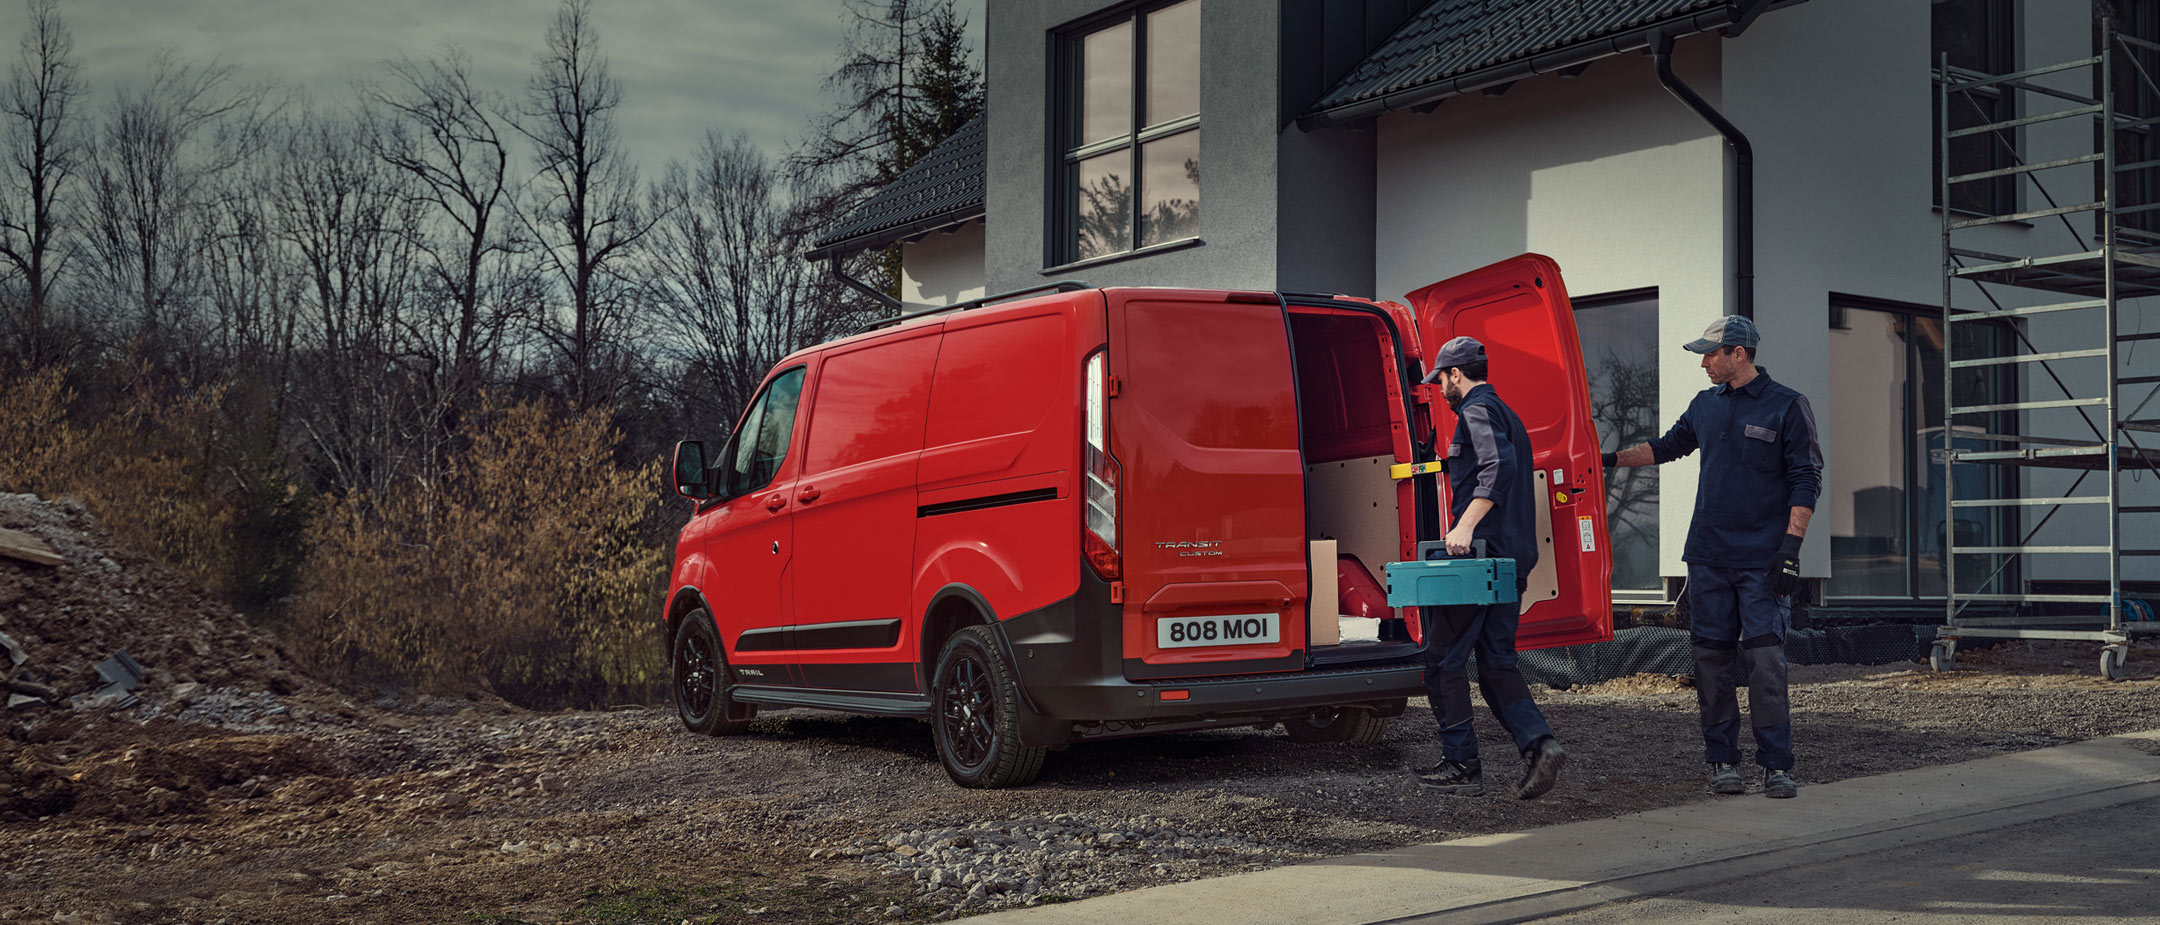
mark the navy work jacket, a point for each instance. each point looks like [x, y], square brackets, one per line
[1489, 457]
[1759, 461]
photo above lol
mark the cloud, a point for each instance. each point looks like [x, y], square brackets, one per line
[686, 66]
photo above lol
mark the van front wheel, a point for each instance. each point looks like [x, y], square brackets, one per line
[700, 674]
[977, 715]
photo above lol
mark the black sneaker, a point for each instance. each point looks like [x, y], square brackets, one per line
[1543, 761]
[1725, 778]
[1779, 785]
[1463, 778]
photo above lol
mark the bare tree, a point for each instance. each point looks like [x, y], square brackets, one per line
[429, 121]
[352, 222]
[149, 175]
[725, 275]
[247, 283]
[43, 155]
[585, 212]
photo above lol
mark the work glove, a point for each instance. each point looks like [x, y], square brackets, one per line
[1610, 459]
[1783, 575]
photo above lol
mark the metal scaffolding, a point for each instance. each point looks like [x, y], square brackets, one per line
[1989, 528]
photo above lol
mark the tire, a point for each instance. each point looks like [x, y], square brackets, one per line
[2112, 659]
[1332, 724]
[701, 677]
[975, 715]
[1943, 657]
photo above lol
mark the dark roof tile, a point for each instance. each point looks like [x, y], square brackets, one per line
[947, 184]
[1453, 38]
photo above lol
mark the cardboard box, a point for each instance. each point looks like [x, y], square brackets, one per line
[1325, 627]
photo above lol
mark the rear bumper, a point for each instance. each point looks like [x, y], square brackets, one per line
[1070, 669]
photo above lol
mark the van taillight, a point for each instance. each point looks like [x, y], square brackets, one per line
[1099, 539]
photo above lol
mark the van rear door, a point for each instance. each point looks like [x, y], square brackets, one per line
[1203, 429]
[1519, 309]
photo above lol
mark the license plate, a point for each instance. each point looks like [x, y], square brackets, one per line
[1235, 629]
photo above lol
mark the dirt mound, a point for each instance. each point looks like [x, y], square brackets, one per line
[102, 600]
[163, 778]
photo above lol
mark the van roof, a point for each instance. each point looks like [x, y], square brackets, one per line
[1014, 300]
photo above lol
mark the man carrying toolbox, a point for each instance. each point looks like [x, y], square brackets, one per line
[1489, 476]
[1761, 470]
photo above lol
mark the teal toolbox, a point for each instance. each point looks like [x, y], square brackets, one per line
[1444, 582]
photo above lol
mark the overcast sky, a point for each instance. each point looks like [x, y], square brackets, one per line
[685, 65]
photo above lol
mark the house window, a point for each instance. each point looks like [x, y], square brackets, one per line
[1883, 472]
[1977, 35]
[2137, 96]
[1130, 144]
[1619, 346]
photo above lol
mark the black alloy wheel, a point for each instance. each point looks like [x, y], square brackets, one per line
[976, 723]
[968, 709]
[701, 675]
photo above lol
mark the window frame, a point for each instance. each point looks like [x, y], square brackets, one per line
[1663, 593]
[753, 421]
[2002, 194]
[1062, 232]
[1914, 411]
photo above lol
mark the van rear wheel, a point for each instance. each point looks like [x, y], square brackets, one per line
[1337, 724]
[701, 679]
[977, 719]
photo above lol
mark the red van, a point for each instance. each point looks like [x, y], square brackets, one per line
[1038, 519]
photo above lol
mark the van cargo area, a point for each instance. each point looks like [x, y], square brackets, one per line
[1349, 388]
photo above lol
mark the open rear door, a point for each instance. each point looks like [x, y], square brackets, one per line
[1519, 309]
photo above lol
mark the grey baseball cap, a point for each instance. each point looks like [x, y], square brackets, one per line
[1729, 331]
[1461, 351]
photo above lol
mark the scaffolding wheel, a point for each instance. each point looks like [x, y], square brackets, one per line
[1943, 657]
[2111, 662]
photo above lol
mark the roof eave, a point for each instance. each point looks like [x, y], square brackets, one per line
[885, 237]
[1565, 56]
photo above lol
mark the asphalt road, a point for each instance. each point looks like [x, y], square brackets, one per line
[2096, 866]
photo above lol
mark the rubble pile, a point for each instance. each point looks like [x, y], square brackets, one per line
[106, 629]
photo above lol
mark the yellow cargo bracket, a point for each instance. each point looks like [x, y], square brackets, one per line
[1406, 470]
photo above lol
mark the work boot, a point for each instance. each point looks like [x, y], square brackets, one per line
[1778, 784]
[1462, 778]
[1725, 778]
[1542, 762]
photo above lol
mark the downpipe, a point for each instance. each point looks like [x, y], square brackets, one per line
[1744, 172]
[833, 263]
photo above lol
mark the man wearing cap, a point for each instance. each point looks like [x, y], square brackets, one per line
[1489, 472]
[1761, 469]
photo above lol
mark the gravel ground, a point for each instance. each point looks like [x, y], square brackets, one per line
[226, 805]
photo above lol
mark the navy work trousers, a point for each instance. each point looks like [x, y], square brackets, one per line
[1739, 631]
[1451, 634]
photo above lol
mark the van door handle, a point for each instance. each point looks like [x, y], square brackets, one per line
[808, 494]
[776, 502]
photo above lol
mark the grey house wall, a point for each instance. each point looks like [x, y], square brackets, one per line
[1279, 208]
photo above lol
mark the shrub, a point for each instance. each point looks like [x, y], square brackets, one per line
[527, 570]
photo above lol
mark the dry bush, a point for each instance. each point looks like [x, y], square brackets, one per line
[527, 570]
[36, 437]
[150, 470]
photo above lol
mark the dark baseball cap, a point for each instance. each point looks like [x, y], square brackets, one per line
[1462, 351]
[1729, 331]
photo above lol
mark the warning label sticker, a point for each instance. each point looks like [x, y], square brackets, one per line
[1589, 534]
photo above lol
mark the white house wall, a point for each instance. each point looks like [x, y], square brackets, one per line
[1605, 173]
[1614, 178]
[943, 268]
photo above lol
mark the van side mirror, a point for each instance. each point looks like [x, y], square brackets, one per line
[690, 471]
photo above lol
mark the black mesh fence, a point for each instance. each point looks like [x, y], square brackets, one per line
[1664, 650]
